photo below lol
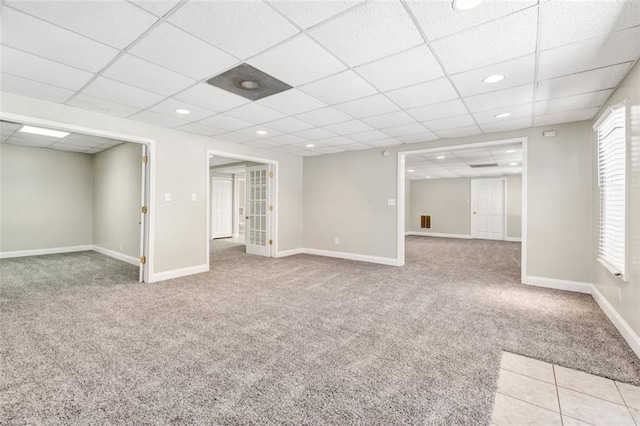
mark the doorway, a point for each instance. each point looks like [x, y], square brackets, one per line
[488, 216]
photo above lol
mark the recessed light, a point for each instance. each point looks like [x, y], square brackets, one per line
[44, 132]
[261, 132]
[503, 115]
[183, 111]
[410, 170]
[513, 164]
[249, 84]
[510, 151]
[466, 4]
[427, 177]
[440, 157]
[493, 78]
[309, 145]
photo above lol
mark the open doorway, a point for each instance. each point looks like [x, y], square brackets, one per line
[74, 205]
[465, 192]
[241, 204]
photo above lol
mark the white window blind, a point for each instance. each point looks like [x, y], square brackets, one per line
[612, 153]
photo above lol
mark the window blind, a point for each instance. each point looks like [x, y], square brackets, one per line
[612, 153]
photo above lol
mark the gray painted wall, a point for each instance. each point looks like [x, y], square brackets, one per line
[447, 201]
[628, 303]
[117, 199]
[346, 194]
[47, 198]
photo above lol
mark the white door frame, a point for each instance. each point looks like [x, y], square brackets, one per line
[273, 251]
[401, 190]
[147, 232]
[504, 205]
[230, 179]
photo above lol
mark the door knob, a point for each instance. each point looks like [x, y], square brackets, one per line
[474, 212]
[246, 217]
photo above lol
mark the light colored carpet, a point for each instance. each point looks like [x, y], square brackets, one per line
[298, 340]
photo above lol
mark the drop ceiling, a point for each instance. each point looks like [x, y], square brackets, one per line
[76, 142]
[364, 73]
[494, 160]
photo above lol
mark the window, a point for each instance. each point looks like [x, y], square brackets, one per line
[612, 170]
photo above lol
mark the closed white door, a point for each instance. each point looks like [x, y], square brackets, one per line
[487, 209]
[221, 208]
[259, 210]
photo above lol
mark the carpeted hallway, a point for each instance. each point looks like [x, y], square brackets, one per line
[298, 340]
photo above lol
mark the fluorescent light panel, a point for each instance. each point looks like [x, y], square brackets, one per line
[44, 132]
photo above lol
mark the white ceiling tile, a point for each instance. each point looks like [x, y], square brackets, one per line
[115, 23]
[292, 101]
[341, 87]
[450, 123]
[43, 39]
[502, 98]
[329, 150]
[309, 13]
[497, 41]
[355, 147]
[369, 136]
[239, 28]
[201, 129]
[290, 125]
[565, 117]
[145, 75]
[82, 100]
[421, 137]
[324, 116]
[380, 143]
[307, 153]
[589, 81]
[406, 130]
[235, 138]
[115, 91]
[366, 107]
[211, 98]
[565, 22]
[253, 132]
[438, 19]
[287, 149]
[337, 141]
[403, 69]
[519, 111]
[437, 111]
[33, 89]
[262, 143]
[316, 134]
[222, 121]
[298, 61]
[33, 67]
[459, 133]
[157, 7]
[423, 94]
[621, 46]
[391, 119]
[169, 107]
[369, 32]
[288, 139]
[158, 119]
[255, 113]
[349, 127]
[176, 50]
[70, 148]
[582, 101]
[517, 72]
[503, 126]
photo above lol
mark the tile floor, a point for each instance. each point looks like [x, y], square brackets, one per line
[532, 392]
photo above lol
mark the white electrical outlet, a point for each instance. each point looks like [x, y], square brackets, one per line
[391, 202]
[336, 240]
[167, 197]
[194, 197]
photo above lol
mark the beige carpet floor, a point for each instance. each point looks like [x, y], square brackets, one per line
[297, 340]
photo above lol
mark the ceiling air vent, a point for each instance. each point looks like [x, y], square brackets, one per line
[249, 82]
[477, 166]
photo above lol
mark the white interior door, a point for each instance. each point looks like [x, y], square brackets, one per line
[258, 211]
[144, 218]
[487, 209]
[221, 208]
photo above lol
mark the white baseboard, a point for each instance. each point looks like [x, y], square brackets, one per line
[577, 286]
[177, 273]
[436, 234]
[625, 330]
[353, 256]
[513, 239]
[292, 252]
[40, 252]
[117, 255]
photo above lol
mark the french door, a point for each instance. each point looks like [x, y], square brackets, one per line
[259, 211]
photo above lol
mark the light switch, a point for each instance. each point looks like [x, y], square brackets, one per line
[391, 202]
[167, 197]
[194, 197]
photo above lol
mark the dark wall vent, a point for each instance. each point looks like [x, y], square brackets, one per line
[249, 82]
[475, 166]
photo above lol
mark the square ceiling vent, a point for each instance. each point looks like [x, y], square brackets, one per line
[250, 82]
